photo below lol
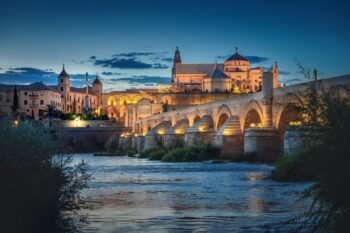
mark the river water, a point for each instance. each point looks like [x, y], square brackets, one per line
[137, 195]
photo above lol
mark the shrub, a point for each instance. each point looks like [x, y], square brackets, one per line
[296, 167]
[146, 153]
[131, 152]
[39, 190]
[201, 152]
[174, 155]
[157, 154]
[193, 153]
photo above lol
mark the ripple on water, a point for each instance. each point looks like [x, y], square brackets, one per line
[137, 195]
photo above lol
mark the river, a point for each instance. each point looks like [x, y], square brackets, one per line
[137, 195]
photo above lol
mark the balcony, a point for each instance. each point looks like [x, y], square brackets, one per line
[33, 95]
[34, 105]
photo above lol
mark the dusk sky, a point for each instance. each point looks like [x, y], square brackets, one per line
[131, 43]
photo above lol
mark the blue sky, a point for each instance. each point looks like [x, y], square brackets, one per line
[131, 43]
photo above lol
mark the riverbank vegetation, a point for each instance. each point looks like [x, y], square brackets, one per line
[194, 153]
[40, 190]
[325, 160]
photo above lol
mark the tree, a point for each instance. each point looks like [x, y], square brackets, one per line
[15, 105]
[50, 112]
[40, 189]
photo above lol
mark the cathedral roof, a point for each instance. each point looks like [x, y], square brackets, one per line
[237, 57]
[218, 74]
[63, 73]
[197, 68]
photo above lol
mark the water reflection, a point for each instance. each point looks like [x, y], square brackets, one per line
[137, 195]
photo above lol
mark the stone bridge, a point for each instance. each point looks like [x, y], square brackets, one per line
[253, 124]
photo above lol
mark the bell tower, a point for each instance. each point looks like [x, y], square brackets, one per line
[64, 89]
[177, 60]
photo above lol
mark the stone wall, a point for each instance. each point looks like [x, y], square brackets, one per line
[87, 139]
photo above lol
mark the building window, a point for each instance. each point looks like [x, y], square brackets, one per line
[41, 102]
[41, 112]
[62, 96]
[61, 80]
[25, 93]
[25, 102]
[61, 88]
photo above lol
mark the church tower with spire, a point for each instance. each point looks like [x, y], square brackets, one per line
[177, 60]
[64, 89]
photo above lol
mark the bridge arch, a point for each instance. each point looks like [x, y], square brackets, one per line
[111, 101]
[252, 114]
[124, 100]
[203, 124]
[252, 119]
[111, 112]
[221, 116]
[166, 99]
[136, 99]
[285, 116]
[193, 118]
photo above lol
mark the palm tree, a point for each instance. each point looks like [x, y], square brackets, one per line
[50, 112]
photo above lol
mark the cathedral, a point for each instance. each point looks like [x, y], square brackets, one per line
[233, 76]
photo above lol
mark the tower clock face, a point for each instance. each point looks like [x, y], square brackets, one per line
[41, 93]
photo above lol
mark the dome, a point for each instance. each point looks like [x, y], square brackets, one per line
[237, 57]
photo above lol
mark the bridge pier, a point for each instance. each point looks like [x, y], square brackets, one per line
[261, 144]
[125, 142]
[174, 136]
[139, 143]
[155, 136]
[201, 132]
[134, 142]
[230, 138]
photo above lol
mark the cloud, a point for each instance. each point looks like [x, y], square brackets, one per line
[282, 72]
[133, 54]
[29, 71]
[160, 66]
[251, 59]
[108, 73]
[27, 75]
[122, 63]
[256, 59]
[134, 60]
[141, 79]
